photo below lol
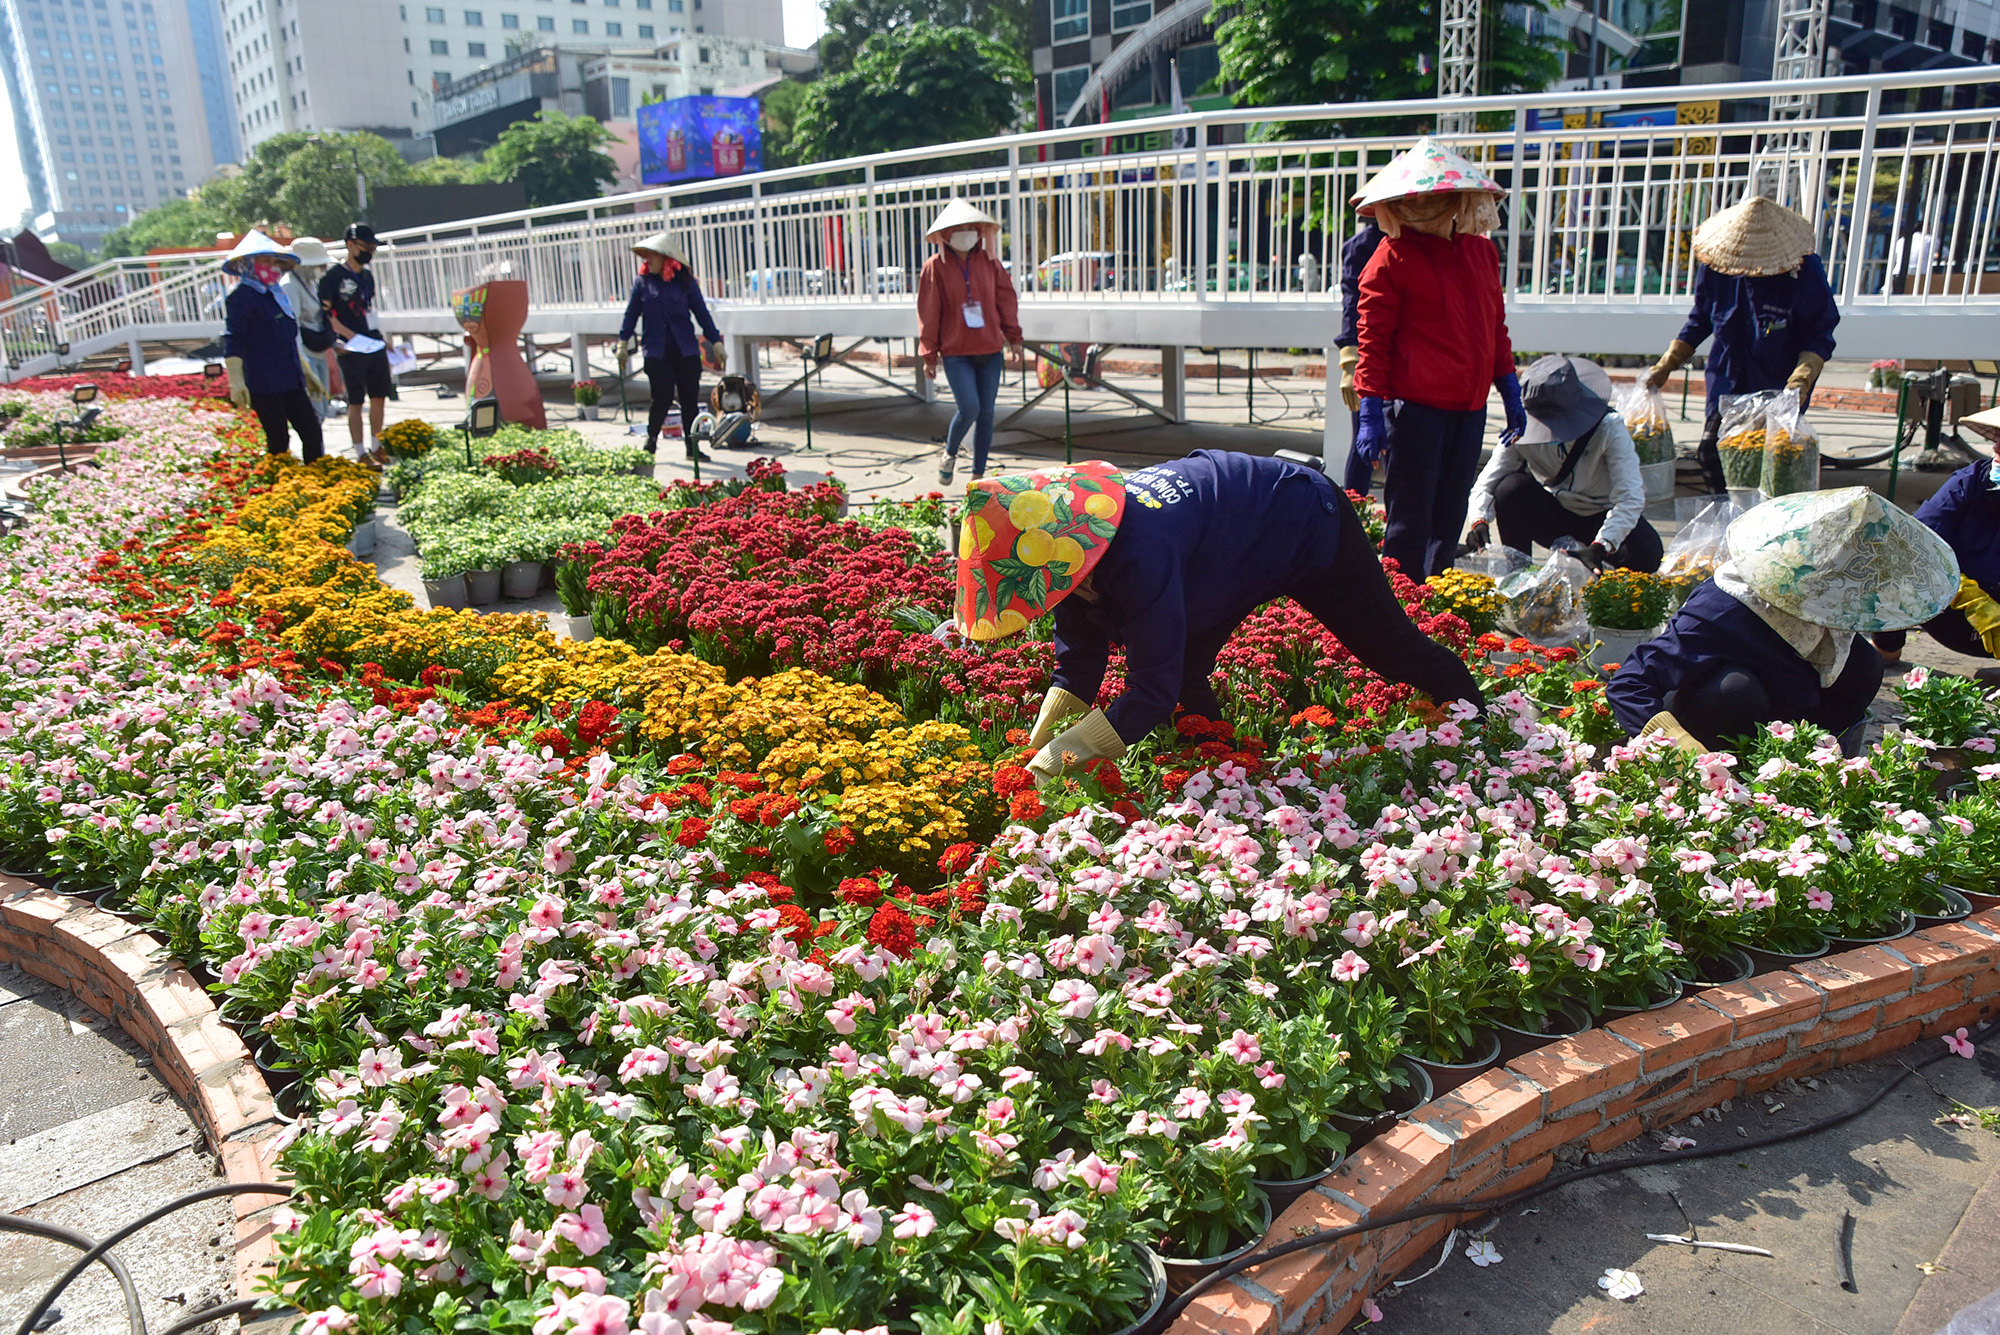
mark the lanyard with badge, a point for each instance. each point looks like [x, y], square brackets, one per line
[972, 312]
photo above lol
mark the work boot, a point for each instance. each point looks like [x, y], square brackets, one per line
[694, 453]
[652, 444]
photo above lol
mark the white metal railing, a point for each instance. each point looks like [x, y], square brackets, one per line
[1598, 215]
[107, 298]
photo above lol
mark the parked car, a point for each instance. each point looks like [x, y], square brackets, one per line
[1240, 279]
[784, 282]
[891, 278]
[1078, 270]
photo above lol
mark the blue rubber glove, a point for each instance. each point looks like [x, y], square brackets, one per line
[1517, 416]
[1372, 439]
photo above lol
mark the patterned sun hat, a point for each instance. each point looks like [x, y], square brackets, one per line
[1424, 168]
[1028, 540]
[1844, 559]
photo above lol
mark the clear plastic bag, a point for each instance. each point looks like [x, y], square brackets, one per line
[1745, 424]
[1494, 561]
[1645, 415]
[1546, 605]
[1791, 449]
[1701, 545]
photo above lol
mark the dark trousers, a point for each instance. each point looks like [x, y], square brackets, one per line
[293, 408]
[1433, 460]
[670, 377]
[1730, 703]
[1528, 512]
[1949, 628]
[1351, 598]
[1359, 476]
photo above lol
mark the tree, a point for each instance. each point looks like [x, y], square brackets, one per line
[194, 221]
[913, 85]
[1511, 58]
[69, 253]
[449, 171]
[850, 23]
[778, 119]
[1277, 53]
[557, 158]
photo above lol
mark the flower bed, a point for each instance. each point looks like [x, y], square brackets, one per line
[613, 1005]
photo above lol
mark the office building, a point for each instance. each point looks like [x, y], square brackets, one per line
[108, 109]
[1090, 54]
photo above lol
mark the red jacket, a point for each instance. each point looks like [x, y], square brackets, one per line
[1433, 326]
[941, 297]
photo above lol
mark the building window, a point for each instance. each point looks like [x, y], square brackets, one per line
[614, 30]
[1066, 83]
[704, 56]
[510, 21]
[579, 25]
[646, 31]
[1069, 20]
[475, 48]
[545, 24]
[621, 98]
[1130, 14]
[434, 16]
[474, 19]
[440, 48]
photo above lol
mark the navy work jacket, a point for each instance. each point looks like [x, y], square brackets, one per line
[1965, 512]
[256, 329]
[1761, 325]
[1711, 633]
[1204, 542]
[1354, 257]
[670, 307]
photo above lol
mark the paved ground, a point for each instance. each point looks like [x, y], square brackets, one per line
[90, 1140]
[1924, 1195]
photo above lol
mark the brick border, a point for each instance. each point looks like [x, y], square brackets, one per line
[1496, 1133]
[122, 972]
[1602, 1088]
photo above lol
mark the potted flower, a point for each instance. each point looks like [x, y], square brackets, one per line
[1626, 608]
[442, 567]
[408, 439]
[524, 468]
[586, 393]
[1471, 597]
[487, 546]
[573, 587]
[1881, 371]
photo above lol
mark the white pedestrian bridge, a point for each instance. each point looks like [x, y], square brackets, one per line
[1222, 229]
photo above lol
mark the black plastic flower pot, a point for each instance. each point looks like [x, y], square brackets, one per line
[1946, 905]
[1447, 1076]
[1155, 1272]
[1362, 1127]
[1283, 1191]
[1183, 1275]
[1732, 966]
[1777, 961]
[1906, 922]
[1566, 1020]
[1610, 1013]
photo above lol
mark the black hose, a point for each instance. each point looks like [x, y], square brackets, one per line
[98, 1249]
[241, 1307]
[14, 1223]
[1477, 1207]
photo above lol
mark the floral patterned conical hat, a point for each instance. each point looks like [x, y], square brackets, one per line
[1426, 167]
[1844, 559]
[1028, 540]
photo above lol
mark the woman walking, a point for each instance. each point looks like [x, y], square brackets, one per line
[967, 313]
[667, 298]
[260, 347]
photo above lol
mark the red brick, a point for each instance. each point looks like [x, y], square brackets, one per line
[1674, 1034]
[1574, 1069]
[1546, 1137]
[1972, 1013]
[1943, 953]
[1938, 997]
[233, 1097]
[37, 910]
[1673, 1086]
[256, 1249]
[1742, 1057]
[1888, 1040]
[1759, 1005]
[1859, 1021]
[1856, 976]
[1798, 1068]
[1424, 1238]
[1616, 1134]
[1483, 1112]
[1984, 984]
[1227, 1310]
[1338, 1316]
[1295, 1279]
[1392, 1170]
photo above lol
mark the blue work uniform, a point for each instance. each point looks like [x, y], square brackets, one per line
[1761, 325]
[1965, 512]
[1204, 542]
[1713, 634]
[257, 329]
[1354, 256]
[670, 307]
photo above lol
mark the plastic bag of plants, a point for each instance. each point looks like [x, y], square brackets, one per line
[1701, 545]
[1791, 449]
[1645, 414]
[1546, 605]
[1493, 561]
[1745, 423]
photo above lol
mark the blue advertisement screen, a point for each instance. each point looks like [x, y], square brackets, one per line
[696, 138]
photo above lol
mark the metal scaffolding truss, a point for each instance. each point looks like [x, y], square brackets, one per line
[1799, 53]
[1458, 60]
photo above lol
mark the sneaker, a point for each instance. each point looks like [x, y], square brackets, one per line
[946, 463]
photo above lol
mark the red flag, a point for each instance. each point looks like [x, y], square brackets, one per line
[1104, 112]
[1041, 123]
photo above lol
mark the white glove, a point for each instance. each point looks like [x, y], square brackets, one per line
[1057, 705]
[239, 393]
[314, 386]
[1091, 738]
[628, 348]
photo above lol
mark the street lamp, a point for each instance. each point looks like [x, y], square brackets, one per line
[360, 180]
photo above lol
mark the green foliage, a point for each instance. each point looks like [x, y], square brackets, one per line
[194, 221]
[779, 113]
[450, 171]
[915, 84]
[850, 23]
[555, 157]
[67, 252]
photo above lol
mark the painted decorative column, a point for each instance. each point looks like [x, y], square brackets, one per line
[492, 316]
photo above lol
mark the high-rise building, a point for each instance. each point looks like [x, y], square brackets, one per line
[294, 66]
[107, 110]
[211, 56]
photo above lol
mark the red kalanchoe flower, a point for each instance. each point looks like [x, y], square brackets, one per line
[838, 840]
[693, 830]
[893, 930]
[957, 858]
[861, 891]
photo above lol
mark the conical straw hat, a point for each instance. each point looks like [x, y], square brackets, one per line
[253, 244]
[663, 244]
[1845, 559]
[1757, 237]
[1424, 168]
[959, 213]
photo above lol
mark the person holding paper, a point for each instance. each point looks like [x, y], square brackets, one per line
[967, 312]
[347, 295]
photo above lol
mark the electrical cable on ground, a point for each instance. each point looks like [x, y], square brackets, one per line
[1479, 1206]
[99, 1250]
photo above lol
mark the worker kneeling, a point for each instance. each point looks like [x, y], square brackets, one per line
[1571, 479]
[1167, 562]
[1781, 632]
[1965, 512]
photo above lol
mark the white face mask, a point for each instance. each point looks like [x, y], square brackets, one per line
[965, 240]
